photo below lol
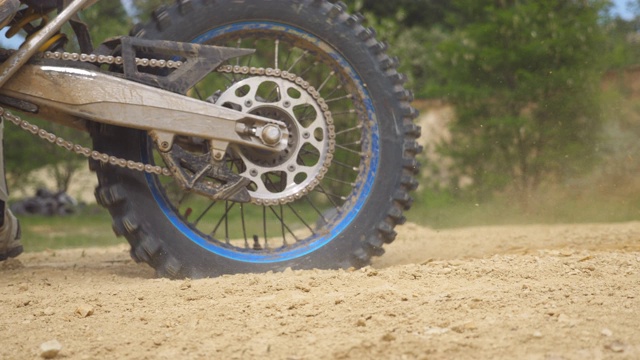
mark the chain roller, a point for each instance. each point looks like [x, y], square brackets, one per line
[110, 60]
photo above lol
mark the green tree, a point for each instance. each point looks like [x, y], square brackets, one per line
[413, 28]
[25, 153]
[22, 154]
[623, 37]
[144, 8]
[106, 19]
[524, 78]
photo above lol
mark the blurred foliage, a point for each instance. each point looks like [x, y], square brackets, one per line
[25, 153]
[623, 46]
[107, 19]
[22, 155]
[144, 8]
[524, 77]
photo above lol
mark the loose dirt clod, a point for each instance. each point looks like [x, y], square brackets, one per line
[84, 310]
[616, 346]
[11, 264]
[50, 349]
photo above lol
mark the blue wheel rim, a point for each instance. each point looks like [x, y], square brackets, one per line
[361, 190]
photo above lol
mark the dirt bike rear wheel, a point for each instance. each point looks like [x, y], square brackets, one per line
[337, 212]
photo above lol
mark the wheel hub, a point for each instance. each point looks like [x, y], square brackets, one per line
[285, 176]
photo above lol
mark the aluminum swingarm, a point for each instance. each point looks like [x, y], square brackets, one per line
[94, 95]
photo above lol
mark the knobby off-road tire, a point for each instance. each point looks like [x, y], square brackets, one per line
[343, 221]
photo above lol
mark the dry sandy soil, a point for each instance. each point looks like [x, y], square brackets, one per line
[535, 292]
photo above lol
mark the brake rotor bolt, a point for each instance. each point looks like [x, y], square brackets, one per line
[291, 168]
[253, 172]
[286, 104]
[306, 135]
[248, 103]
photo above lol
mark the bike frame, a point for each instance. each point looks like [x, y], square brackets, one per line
[31, 46]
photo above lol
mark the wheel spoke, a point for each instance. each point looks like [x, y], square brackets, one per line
[311, 67]
[323, 191]
[249, 61]
[244, 227]
[357, 128]
[284, 238]
[264, 224]
[230, 79]
[226, 225]
[204, 213]
[277, 51]
[340, 181]
[182, 198]
[238, 46]
[347, 112]
[313, 205]
[345, 97]
[295, 212]
[224, 218]
[333, 92]
[198, 93]
[298, 60]
[286, 60]
[349, 150]
[324, 83]
[359, 142]
[285, 228]
[345, 166]
[330, 195]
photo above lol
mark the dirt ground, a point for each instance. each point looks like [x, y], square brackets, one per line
[535, 292]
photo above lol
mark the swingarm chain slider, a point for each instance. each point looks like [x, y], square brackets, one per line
[148, 168]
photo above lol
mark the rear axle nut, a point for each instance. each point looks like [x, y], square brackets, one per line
[271, 135]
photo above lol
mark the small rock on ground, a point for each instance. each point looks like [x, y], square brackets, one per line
[50, 349]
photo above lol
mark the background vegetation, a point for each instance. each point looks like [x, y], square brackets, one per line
[546, 112]
[546, 108]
